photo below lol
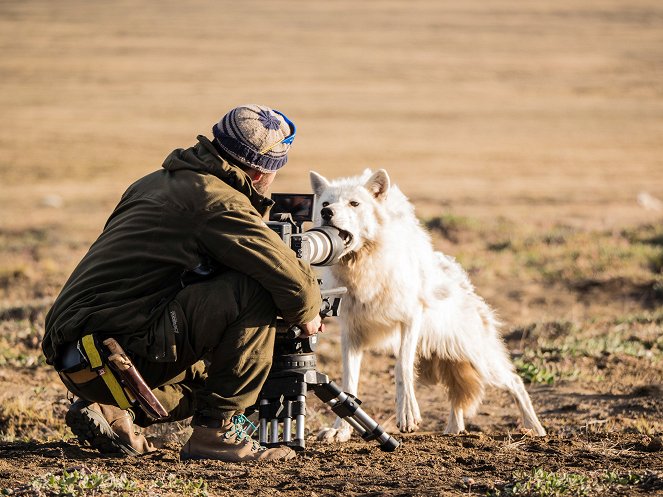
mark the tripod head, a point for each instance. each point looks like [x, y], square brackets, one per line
[292, 351]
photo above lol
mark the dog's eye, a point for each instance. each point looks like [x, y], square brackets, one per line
[325, 204]
[354, 203]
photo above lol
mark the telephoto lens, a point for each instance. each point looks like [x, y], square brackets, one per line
[321, 246]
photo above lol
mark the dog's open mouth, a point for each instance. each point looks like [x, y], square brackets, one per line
[345, 236]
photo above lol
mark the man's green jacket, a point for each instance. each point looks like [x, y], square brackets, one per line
[197, 207]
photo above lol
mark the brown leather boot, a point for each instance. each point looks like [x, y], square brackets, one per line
[107, 428]
[228, 441]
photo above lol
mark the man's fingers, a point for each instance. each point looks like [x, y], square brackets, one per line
[312, 327]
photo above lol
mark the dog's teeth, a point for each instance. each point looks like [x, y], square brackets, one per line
[347, 237]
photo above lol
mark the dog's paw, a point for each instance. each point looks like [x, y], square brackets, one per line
[408, 423]
[331, 435]
[408, 419]
[455, 432]
[407, 427]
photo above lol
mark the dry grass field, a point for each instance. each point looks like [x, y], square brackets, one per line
[528, 134]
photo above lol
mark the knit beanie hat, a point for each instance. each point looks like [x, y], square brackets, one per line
[255, 136]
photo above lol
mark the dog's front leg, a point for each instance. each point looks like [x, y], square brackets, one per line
[341, 431]
[407, 410]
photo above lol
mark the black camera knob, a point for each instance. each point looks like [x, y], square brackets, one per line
[293, 332]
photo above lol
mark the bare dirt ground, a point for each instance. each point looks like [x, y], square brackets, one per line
[529, 136]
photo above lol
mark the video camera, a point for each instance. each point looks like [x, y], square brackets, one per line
[319, 246]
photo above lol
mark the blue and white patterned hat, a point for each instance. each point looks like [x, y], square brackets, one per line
[255, 136]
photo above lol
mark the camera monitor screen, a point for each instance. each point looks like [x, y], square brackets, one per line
[300, 205]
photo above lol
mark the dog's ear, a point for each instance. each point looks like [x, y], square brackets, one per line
[318, 182]
[378, 184]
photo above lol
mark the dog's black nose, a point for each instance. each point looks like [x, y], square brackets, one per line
[327, 213]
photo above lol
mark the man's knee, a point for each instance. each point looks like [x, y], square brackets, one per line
[229, 300]
[256, 305]
[228, 297]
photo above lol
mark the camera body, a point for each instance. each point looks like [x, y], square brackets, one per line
[320, 246]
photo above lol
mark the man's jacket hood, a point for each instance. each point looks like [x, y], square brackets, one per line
[203, 157]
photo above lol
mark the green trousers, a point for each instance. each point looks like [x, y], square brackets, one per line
[224, 344]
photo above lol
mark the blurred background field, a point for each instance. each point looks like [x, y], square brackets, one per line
[529, 135]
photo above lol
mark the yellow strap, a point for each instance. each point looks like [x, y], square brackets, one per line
[104, 371]
[92, 353]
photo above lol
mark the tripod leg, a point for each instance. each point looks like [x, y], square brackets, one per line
[347, 407]
[300, 422]
[287, 430]
[274, 431]
[341, 431]
[262, 432]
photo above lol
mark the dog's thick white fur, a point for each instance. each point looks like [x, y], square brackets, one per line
[404, 295]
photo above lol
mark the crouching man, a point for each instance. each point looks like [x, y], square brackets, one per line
[205, 206]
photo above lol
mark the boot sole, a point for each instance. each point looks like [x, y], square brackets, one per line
[209, 458]
[91, 428]
[187, 457]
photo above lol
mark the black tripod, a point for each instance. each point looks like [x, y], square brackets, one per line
[282, 401]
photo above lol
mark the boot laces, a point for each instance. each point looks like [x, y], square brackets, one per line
[240, 425]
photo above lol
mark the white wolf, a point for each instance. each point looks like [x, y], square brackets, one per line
[403, 294]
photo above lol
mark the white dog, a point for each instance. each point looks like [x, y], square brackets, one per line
[403, 294]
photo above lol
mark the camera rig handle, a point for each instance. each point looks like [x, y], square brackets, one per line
[331, 306]
[331, 301]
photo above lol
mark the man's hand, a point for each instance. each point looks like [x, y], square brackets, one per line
[313, 327]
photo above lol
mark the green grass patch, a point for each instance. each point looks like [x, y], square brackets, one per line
[647, 317]
[549, 342]
[542, 483]
[16, 359]
[84, 482]
[531, 373]
[614, 478]
[19, 343]
[589, 256]
[611, 342]
[566, 255]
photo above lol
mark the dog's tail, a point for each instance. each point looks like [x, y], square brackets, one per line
[461, 379]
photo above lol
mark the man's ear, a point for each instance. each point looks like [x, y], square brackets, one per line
[378, 184]
[254, 174]
[318, 183]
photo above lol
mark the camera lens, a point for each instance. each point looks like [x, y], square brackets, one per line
[321, 246]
